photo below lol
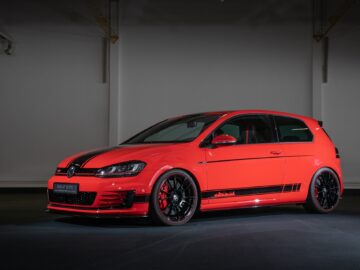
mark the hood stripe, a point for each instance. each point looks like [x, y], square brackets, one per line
[82, 160]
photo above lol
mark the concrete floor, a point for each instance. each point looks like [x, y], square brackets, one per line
[262, 238]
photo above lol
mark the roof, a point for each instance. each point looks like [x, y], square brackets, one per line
[254, 111]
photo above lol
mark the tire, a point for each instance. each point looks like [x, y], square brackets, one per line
[174, 198]
[324, 192]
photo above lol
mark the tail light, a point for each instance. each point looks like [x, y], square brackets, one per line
[336, 150]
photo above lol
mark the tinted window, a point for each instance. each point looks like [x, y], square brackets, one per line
[248, 129]
[292, 130]
[181, 129]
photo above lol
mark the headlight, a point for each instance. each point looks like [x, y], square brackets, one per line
[130, 168]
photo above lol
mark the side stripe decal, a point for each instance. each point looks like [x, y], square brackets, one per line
[226, 193]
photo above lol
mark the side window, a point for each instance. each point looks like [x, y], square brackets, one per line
[248, 129]
[292, 130]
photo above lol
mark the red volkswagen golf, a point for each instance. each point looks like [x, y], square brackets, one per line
[203, 162]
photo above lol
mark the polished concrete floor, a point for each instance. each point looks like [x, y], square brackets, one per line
[262, 238]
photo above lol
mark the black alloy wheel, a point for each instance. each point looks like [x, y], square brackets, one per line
[324, 192]
[174, 199]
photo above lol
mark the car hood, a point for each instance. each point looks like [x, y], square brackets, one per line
[104, 157]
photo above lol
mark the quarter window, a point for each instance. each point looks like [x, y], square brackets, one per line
[292, 130]
[248, 129]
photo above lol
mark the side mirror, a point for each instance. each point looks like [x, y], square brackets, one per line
[223, 139]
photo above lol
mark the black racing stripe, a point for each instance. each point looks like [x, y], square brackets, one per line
[226, 193]
[258, 190]
[82, 160]
[241, 192]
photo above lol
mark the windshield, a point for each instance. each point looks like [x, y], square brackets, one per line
[180, 129]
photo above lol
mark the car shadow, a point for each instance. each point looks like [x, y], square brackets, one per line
[252, 212]
[213, 216]
[106, 222]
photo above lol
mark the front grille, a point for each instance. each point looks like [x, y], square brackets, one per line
[82, 198]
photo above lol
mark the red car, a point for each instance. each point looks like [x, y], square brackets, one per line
[203, 162]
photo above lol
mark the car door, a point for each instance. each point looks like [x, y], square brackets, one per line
[250, 170]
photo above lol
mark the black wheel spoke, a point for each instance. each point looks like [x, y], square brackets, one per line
[175, 184]
[327, 188]
[172, 185]
[178, 212]
[175, 210]
[182, 184]
[170, 209]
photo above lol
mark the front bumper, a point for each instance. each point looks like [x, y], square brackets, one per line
[136, 211]
[100, 197]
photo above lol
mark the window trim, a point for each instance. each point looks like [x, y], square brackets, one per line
[271, 117]
[204, 144]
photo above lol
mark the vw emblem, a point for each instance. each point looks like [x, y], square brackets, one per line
[71, 171]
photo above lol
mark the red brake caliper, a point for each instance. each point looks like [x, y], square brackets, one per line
[164, 189]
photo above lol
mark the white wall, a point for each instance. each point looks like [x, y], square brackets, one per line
[185, 57]
[342, 92]
[179, 57]
[52, 98]
[173, 57]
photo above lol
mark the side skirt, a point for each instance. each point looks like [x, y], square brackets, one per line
[244, 205]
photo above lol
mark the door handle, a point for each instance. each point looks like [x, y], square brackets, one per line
[275, 152]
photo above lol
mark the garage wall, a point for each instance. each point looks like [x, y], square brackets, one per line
[342, 92]
[181, 57]
[53, 101]
[175, 57]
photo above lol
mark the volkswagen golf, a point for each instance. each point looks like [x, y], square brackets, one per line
[203, 162]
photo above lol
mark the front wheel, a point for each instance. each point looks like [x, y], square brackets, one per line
[174, 198]
[324, 192]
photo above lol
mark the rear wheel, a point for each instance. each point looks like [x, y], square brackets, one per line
[174, 199]
[324, 192]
